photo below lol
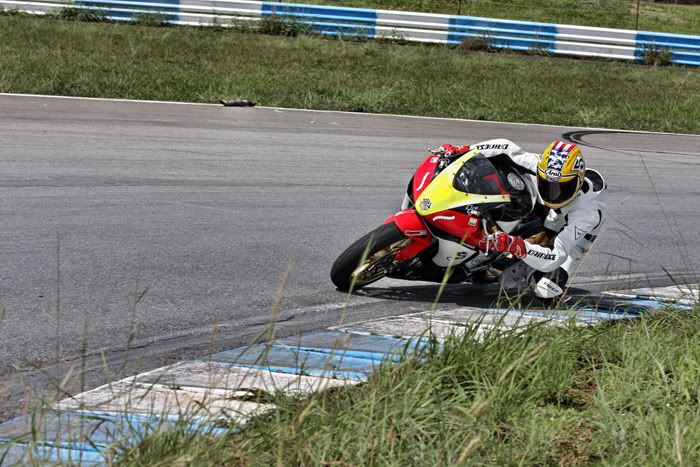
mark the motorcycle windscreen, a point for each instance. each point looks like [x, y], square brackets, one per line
[478, 176]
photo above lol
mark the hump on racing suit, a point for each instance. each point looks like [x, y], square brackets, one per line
[500, 147]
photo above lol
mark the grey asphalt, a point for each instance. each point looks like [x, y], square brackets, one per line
[136, 234]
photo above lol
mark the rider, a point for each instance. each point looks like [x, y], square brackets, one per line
[569, 205]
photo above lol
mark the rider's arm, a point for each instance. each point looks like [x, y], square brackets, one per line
[548, 259]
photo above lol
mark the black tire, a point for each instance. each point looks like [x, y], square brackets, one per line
[366, 248]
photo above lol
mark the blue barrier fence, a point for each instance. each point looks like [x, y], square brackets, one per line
[421, 27]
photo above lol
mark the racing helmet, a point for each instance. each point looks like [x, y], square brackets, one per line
[560, 173]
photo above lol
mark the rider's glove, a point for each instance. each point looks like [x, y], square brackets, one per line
[501, 242]
[449, 150]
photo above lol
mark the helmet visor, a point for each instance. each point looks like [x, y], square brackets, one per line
[557, 192]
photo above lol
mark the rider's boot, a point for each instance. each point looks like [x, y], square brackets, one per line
[550, 288]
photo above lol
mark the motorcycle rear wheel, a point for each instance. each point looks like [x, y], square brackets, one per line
[369, 258]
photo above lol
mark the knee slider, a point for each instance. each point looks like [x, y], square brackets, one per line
[549, 285]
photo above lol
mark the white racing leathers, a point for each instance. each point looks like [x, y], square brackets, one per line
[572, 228]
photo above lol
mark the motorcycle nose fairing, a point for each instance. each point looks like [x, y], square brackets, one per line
[453, 203]
[450, 199]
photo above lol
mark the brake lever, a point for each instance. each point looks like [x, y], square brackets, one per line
[444, 158]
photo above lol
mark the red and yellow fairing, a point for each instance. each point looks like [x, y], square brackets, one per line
[440, 204]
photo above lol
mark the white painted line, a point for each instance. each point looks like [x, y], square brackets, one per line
[451, 119]
[198, 389]
[155, 399]
[391, 282]
[341, 112]
[686, 294]
[409, 327]
[107, 99]
[216, 376]
[442, 323]
[351, 302]
[504, 318]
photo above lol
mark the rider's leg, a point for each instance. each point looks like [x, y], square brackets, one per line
[515, 276]
[551, 287]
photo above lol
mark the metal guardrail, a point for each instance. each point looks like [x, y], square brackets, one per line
[419, 27]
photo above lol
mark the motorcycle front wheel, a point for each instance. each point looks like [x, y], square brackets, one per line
[369, 258]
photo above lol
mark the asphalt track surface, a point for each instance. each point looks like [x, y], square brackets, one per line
[137, 234]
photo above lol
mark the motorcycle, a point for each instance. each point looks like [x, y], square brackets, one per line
[451, 205]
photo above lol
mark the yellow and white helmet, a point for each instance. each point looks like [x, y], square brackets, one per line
[560, 174]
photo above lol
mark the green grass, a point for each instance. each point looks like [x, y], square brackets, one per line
[622, 393]
[49, 56]
[683, 19]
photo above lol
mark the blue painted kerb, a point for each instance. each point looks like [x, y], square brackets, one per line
[352, 363]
